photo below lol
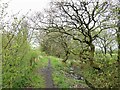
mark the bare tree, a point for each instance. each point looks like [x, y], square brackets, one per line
[81, 20]
[106, 41]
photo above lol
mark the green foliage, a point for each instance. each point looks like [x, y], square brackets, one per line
[107, 77]
[17, 55]
[52, 45]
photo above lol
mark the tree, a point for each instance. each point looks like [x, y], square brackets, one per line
[16, 54]
[83, 21]
[106, 41]
[116, 18]
[3, 7]
[118, 39]
[56, 44]
[118, 32]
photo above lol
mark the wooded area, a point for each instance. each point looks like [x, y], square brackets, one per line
[77, 40]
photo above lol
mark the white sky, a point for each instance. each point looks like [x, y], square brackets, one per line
[25, 5]
[14, 6]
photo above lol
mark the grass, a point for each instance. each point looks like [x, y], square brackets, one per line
[62, 77]
[60, 69]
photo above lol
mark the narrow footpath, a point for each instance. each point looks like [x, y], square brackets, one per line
[47, 74]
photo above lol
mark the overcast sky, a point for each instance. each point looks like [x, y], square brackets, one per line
[25, 5]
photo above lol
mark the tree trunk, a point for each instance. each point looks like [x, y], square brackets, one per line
[66, 56]
[92, 50]
[105, 50]
[118, 40]
[111, 51]
[118, 37]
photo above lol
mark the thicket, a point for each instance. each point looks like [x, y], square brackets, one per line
[18, 59]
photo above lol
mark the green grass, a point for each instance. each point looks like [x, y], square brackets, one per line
[61, 80]
[61, 76]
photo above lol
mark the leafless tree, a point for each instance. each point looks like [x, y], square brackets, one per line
[106, 42]
[83, 21]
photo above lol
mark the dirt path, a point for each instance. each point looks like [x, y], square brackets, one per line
[47, 74]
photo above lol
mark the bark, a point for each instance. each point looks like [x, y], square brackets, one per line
[119, 48]
[111, 51]
[105, 50]
[66, 57]
[92, 51]
[65, 46]
[118, 39]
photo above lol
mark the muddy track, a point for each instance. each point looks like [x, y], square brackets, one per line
[47, 74]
